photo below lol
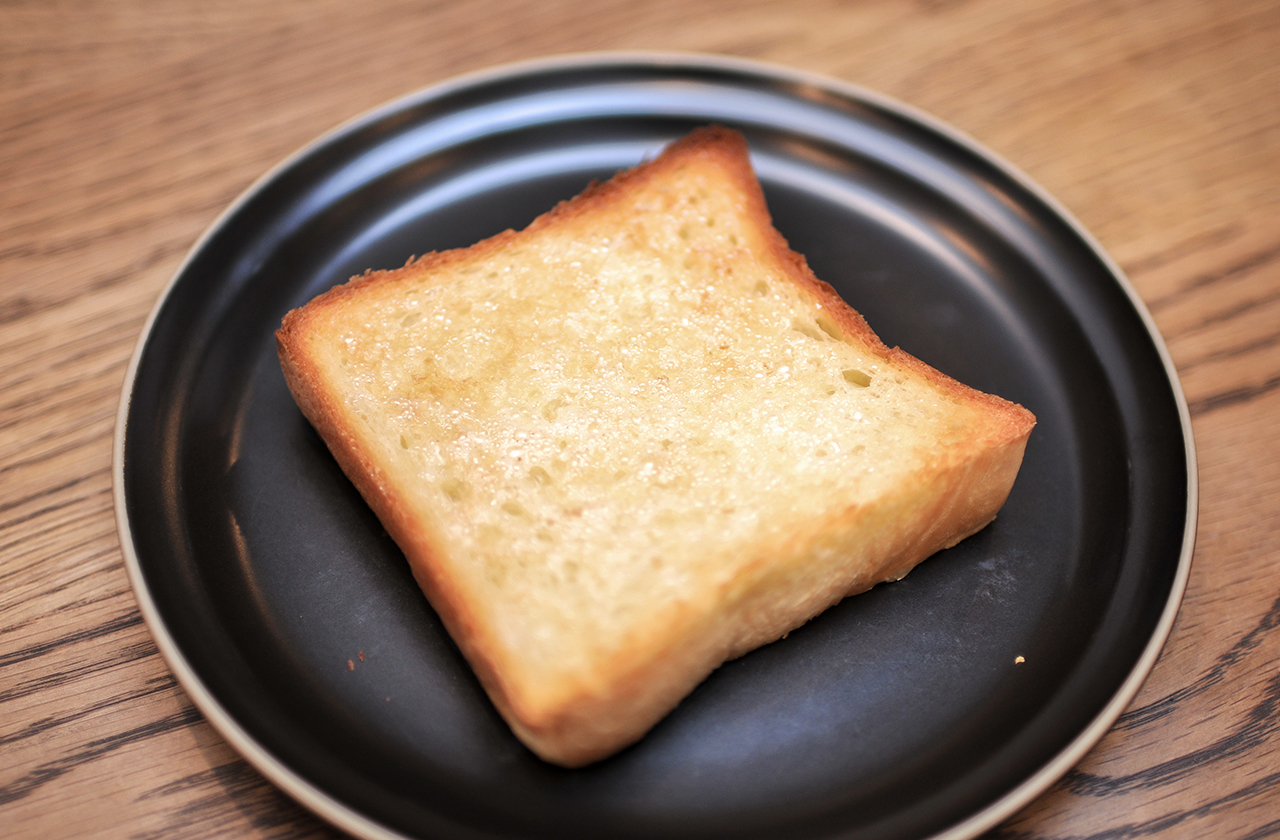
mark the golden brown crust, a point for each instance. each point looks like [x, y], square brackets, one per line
[651, 672]
[333, 421]
[682, 647]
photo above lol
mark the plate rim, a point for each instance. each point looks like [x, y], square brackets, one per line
[357, 823]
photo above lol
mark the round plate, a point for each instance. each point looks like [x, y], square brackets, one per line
[937, 705]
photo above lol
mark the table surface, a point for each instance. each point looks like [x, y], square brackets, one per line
[126, 127]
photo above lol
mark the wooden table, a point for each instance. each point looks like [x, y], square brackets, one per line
[126, 127]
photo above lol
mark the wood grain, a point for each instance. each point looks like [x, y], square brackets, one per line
[126, 127]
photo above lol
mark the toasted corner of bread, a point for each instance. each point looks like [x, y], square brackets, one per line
[636, 439]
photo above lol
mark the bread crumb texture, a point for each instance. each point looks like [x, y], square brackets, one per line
[641, 417]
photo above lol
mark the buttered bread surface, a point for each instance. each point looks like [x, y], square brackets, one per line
[640, 417]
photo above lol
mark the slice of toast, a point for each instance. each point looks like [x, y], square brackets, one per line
[637, 439]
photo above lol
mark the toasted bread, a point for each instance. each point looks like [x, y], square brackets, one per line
[636, 439]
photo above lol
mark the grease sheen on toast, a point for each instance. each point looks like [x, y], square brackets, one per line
[636, 439]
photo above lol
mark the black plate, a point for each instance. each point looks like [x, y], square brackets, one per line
[939, 704]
